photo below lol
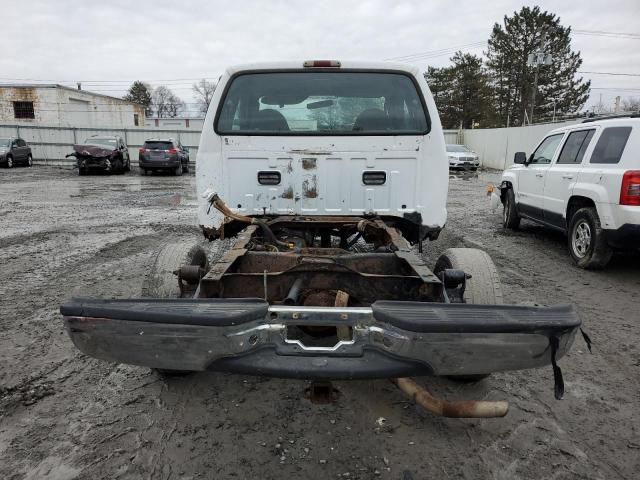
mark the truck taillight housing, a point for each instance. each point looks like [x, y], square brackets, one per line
[630, 189]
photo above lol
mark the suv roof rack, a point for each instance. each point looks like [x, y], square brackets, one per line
[611, 117]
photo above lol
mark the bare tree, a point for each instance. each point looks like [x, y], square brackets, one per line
[631, 104]
[203, 92]
[165, 103]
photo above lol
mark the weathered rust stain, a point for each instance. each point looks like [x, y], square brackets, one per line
[309, 163]
[310, 187]
[287, 193]
[309, 152]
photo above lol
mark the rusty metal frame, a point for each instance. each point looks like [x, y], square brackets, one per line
[400, 273]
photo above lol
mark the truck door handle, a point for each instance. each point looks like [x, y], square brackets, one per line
[539, 175]
[568, 177]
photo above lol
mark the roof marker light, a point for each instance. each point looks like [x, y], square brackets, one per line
[321, 64]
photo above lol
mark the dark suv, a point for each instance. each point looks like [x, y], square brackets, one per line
[163, 154]
[15, 151]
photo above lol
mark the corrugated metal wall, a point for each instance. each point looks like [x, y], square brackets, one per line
[51, 144]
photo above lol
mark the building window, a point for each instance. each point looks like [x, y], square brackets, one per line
[23, 110]
[135, 119]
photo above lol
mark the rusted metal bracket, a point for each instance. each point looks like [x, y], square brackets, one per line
[457, 409]
[321, 392]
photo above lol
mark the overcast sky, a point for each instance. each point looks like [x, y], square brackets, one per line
[106, 44]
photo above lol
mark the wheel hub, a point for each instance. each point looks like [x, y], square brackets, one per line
[581, 239]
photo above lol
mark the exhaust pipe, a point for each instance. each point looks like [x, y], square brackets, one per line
[444, 408]
[294, 292]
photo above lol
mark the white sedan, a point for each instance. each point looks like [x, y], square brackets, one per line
[462, 157]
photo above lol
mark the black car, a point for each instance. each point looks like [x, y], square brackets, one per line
[15, 151]
[163, 154]
[105, 153]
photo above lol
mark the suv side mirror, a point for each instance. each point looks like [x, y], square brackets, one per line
[520, 158]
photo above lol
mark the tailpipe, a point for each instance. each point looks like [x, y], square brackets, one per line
[444, 408]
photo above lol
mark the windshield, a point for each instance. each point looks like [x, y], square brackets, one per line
[4, 142]
[457, 149]
[108, 141]
[322, 103]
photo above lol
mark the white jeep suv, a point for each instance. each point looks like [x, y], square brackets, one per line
[584, 180]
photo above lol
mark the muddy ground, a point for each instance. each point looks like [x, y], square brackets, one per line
[64, 415]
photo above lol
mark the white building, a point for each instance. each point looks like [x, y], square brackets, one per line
[60, 106]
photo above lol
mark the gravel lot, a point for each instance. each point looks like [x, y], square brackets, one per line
[64, 415]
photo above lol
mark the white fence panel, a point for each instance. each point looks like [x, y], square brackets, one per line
[452, 136]
[496, 146]
[54, 143]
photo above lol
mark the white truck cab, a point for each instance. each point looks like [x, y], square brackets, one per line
[324, 138]
[584, 180]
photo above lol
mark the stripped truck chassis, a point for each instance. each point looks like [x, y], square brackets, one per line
[319, 310]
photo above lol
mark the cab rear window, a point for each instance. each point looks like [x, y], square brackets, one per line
[322, 103]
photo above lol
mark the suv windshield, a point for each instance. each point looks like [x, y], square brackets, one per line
[322, 103]
[457, 149]
[108, 141]
[157, 145]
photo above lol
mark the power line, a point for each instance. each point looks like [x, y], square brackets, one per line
[435, 53]
[600, 33]
[611, 73]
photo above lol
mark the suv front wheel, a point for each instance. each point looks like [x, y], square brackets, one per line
[510, 217]
[587, 243]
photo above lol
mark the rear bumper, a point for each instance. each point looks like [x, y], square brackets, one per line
[625, 237]
[152, 164]
[390, 339]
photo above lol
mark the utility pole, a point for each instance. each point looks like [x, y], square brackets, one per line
[535, 59]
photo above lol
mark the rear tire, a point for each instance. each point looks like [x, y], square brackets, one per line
[29, 161]
[178, 171]
[161, 282]
[510, 217]
[185, 168]
[587, 243]
[9, 161]
[483, 288]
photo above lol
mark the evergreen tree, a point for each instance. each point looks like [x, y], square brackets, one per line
[462, 92]
[510, 45]
[140, 93]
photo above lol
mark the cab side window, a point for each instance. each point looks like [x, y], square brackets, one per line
[573, 150]
[547, 149]
[610, 145]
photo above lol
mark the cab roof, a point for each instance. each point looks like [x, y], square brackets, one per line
[344, 64]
